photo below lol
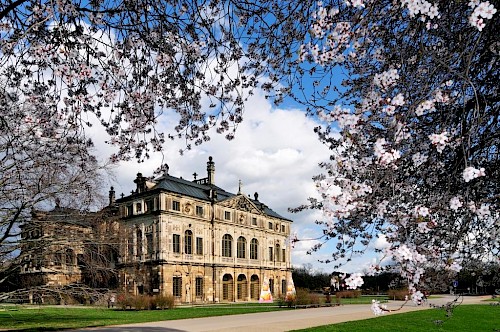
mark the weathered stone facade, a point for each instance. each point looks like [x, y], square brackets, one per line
[200, 243]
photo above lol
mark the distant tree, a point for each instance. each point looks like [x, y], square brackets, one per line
[304, 277]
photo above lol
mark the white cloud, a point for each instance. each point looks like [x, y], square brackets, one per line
[275, 153]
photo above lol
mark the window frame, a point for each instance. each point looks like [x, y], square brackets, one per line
[254, 249]
[199, 245]
[176, 243]
[177, 286]
[200, 211]
[198, 287]
[188, 242]
[241, 244]
[227, 243]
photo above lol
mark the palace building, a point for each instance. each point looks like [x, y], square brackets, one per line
[199, 242]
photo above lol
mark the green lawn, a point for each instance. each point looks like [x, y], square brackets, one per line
[363, 299]
[466, 318]
[40, 318]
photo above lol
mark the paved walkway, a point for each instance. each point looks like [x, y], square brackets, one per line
[276, 321]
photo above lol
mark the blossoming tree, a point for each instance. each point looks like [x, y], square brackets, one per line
[414, 130]
[407, 92]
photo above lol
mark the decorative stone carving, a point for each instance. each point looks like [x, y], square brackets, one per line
[240, 203]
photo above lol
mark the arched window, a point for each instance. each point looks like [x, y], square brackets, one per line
[188, 242]
[241, 247]
[227, 243]
[254, 245]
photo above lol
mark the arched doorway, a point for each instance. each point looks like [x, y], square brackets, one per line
[227, 288]
[242, 286]
[254, 287]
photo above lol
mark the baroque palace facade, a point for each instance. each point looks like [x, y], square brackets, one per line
[201, 243]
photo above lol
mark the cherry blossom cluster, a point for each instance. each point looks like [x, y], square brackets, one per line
[482, 10]
[386, 79]
[421, 7]
[439, 140]
[471, 173]
[383, 156]
[377, 308]
[354, 281]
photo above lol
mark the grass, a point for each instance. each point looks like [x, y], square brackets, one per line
[362, 300]
[465, 318]
[40, 318]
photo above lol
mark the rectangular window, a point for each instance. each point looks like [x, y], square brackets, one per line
[177, 287]
[149, 205]
[199, 286]
[199, 246]
[271, 253]
[227, 215]
[130, 210]
[254, 221]
[176, 243]
[138, 207]
[130, 241]
[199, 211]
[270, 225]
[149, 243]
[283, 255]
[271, 285]
[283, 228]
[176, 205]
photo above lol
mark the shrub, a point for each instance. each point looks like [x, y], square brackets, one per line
[302, 296]
[348, 294]
[398, 294]
[164, 301]
[314, 298]
[140, 302]
[124, 301]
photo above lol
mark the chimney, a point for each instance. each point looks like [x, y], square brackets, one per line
[111, 196]
[211, 171]
[141, 183]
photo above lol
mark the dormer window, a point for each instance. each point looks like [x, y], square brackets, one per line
[149, 205]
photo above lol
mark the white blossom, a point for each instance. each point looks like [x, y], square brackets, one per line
[471, 173]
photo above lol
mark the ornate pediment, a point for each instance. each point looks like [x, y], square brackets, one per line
[241, 203]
